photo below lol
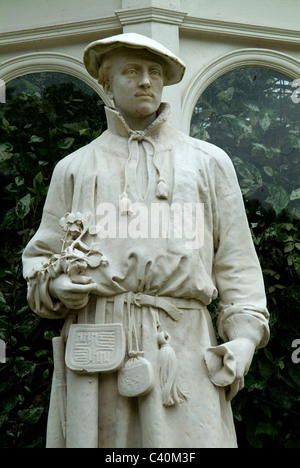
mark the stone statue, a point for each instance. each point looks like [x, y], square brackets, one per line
[141, 230]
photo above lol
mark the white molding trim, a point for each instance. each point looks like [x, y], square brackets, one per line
[103, 26]
[49, 62]
[113, 24]
[229, 28]
[148, 14]
[239, 58]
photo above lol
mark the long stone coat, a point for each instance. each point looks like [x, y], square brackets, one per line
[157, 285]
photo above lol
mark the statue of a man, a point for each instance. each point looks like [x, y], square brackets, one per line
[141, 230]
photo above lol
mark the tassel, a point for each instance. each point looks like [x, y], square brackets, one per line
[124, 204]
[162, 189]
[172, 395]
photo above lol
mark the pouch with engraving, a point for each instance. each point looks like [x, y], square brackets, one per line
[136, 377]
[95, 348]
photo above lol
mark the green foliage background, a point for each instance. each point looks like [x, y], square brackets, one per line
[249, 115]
[45, 117]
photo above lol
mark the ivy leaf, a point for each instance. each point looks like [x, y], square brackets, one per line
[227, 94]
[23, 206]
[269, 171]
[296, 261]
[22, 367]
[27, 324]
[4, 156]
[257, 147]
[6, 147]
[278, 197]
[36, 139]
[31, 415]
[66, 143]
[19, 181]
[295, 194]
[252, 107]
[265, 121]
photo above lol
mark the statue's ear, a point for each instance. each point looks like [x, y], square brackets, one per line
[108, 89]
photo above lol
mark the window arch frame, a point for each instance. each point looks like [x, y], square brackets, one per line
[239, 58]
[41, 62]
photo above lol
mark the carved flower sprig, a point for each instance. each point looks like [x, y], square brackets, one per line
[74, 225]
[75, 255]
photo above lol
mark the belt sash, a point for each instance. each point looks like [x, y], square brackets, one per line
[170, 305]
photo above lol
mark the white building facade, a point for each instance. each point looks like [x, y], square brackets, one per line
[210, 36]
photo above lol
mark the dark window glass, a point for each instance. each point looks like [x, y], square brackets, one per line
[254, 115]
[45, 116]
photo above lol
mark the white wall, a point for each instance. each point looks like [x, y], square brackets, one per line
[271, 13]
[26, 14]
[211, 36]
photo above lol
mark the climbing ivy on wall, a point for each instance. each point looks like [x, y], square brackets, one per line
[45, 117]
[253, 115]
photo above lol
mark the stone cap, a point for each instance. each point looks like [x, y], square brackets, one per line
[94, 52]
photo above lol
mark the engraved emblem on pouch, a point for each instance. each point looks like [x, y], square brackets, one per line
[95, 347]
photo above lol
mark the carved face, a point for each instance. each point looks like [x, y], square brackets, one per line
[135, 84]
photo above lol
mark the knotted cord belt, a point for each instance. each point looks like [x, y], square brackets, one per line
[171, 305]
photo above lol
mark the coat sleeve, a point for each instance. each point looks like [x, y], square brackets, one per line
[44, 244]
[239, 279]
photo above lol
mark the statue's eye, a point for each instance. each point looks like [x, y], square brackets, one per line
[131, 71]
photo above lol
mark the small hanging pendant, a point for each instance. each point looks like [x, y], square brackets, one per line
[162, 189]
[124, 204]
[136, 377]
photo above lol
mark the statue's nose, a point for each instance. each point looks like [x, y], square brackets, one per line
[145, 80]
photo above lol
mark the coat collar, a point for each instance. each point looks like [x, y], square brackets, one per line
[118, 126]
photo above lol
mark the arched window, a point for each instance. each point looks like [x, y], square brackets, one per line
[253, 114]
[43, 117]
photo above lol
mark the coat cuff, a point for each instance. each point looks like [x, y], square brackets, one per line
[249, 324]
[39, 298]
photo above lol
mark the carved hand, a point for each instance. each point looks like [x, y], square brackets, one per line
[243, 350]
[228, 364]
[72, 295]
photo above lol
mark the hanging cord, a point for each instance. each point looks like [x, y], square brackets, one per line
[124, 200]
[136, 378]
[132, 333]
[161, 188]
